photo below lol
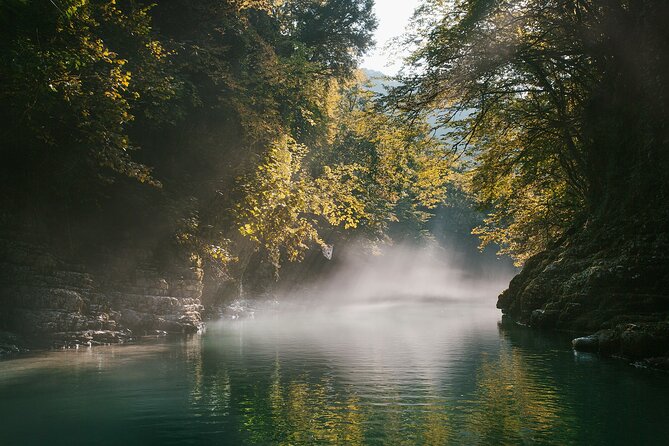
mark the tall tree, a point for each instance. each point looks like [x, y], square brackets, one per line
[335, 33]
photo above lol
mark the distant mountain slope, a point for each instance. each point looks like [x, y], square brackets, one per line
[379, 81]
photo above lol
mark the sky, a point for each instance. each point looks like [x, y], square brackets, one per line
[393, 17]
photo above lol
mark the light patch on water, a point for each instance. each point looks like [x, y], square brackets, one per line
[82, 359]
[368, 343]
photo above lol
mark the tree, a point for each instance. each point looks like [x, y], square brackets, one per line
[406, 169]
[282, 202]
[247, 78]
[370, 170]
[74, 76]
[552, 106]
[333, 33]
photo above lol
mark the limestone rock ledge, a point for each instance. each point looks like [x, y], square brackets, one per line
[48, 301]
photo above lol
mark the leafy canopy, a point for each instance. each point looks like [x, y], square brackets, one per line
[556, 106]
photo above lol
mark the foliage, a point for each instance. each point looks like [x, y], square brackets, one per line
[365, 169]
[247, 116]
[282, 201]
[556, 104]
[406, 169]
[74, 75]
[518, 179]
[254, 79]
[334, 32]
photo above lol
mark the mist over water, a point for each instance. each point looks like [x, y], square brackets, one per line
[401, 275]
[402, 348]
[386, 317]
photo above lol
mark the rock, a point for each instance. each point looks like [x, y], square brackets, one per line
[46, 298]
[609, 342]
[11, 343]
[606, 342]
[660, 363]
[89, 338]
[135, 320]
[610, 280]
[632, 341]
[644, 340]
[544, 318]
[239, 309]
[586, 344]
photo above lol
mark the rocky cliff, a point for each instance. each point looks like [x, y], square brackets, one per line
[48, 301]
[612, 281]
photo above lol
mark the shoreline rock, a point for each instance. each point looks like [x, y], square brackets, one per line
[53, 301]
[605, 281]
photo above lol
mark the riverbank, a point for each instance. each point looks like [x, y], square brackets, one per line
[611, 281]
[50, 302]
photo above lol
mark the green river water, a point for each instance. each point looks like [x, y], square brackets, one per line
[421, 374]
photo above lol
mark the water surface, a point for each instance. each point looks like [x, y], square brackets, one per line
[432, 373]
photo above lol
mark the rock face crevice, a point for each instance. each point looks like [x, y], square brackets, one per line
[608, 281]
[48, 300]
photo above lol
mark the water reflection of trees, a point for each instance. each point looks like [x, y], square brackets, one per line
[508, 400]
[516, 402]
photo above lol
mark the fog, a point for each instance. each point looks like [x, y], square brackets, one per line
[408, 274]
[401, 275]
[405, 312]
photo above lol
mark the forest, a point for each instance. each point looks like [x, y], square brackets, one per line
[236, 138]
[217, 128]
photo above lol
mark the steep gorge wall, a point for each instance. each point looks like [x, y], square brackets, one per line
[49, 301]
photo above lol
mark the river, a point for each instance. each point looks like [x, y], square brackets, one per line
[431, 373]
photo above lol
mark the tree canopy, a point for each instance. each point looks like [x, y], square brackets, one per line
[559, 106]
[239, 128]
[228, 127]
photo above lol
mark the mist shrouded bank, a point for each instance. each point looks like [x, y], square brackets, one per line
[161, 159]
[567, 139]
[401, 275]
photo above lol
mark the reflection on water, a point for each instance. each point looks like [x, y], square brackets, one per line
[513, 403]
[433, 375]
